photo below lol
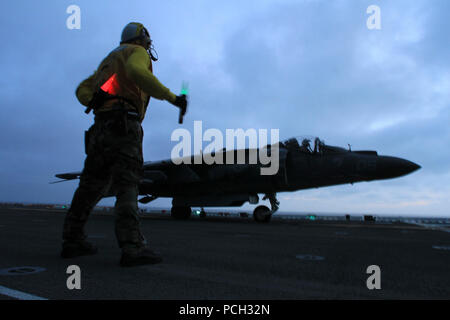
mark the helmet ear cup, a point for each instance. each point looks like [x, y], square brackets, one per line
[144, 32]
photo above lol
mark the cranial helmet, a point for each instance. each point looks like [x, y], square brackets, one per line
[134, 31]
[137, 31]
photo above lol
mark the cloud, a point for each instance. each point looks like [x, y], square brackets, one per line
[305, 67]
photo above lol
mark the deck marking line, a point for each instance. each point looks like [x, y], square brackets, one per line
[18, 294]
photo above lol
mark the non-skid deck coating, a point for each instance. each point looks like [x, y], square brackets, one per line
[219, 258]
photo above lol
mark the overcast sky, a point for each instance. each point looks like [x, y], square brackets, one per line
[303, 67]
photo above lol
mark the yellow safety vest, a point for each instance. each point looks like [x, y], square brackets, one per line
[131, 79]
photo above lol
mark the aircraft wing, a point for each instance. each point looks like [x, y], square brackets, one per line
[154, 172]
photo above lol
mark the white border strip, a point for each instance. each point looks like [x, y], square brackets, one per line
[18, 294]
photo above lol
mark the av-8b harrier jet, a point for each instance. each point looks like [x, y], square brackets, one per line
[301, 166]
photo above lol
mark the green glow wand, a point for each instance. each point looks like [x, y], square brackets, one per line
[184, 92]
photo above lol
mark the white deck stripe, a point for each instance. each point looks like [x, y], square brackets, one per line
[433, 227]
[18, 294]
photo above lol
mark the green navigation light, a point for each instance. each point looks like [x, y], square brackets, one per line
[184, 88]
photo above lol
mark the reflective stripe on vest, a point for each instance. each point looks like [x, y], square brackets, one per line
[111, 86]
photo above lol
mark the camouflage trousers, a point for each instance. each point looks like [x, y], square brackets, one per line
[113, 166]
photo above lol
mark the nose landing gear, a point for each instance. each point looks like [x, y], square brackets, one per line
[263, 213]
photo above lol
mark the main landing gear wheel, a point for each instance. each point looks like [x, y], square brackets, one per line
[181, 213]
[262, 214]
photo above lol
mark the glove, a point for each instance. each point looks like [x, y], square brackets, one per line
[181, 102]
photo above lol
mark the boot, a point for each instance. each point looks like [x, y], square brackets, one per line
[142, 257]
[71, 249]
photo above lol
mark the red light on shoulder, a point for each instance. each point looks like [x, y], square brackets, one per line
[111, 86]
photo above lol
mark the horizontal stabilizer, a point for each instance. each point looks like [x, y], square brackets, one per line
[68, 176]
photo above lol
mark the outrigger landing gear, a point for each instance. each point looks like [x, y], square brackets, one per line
[263, 213]
[202, 213]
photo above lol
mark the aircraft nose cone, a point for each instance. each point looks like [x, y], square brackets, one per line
[391, 167]
[414, 166]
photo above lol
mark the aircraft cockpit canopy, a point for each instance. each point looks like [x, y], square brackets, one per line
[312, 145]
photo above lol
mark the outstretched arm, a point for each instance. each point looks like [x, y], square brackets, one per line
[137, 70]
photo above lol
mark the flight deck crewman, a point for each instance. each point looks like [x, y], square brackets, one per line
[118, 92]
